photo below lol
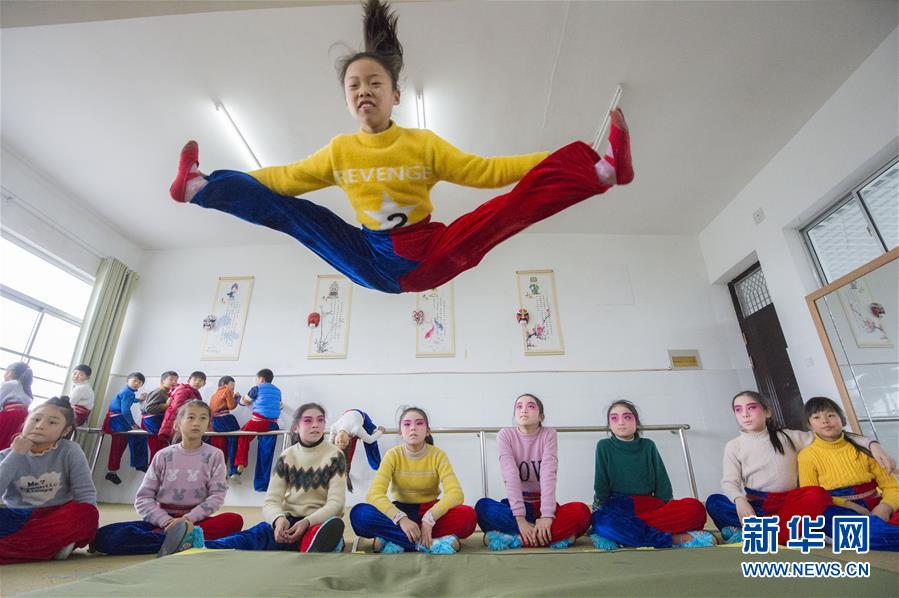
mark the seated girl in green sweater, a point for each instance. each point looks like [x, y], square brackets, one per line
[632, 502]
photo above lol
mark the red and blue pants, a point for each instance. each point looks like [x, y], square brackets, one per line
[265, 452]
[808, 500]
[227, 444]
[571, 519]
[369, 522]
[647, 520]
[38, 534]
[423, 255]
[151, 424]
[884, 535]
[262, 537]
[142, 537]
[137, 445]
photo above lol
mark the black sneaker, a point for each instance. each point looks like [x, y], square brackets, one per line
[328, 536]
[141, 469]
[114, 478]
[178, 538]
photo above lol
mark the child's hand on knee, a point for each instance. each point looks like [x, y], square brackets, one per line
[883, 510]
[296, 531]
[411, 529]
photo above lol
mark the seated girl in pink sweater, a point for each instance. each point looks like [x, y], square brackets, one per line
[528, 461]
[184, 486]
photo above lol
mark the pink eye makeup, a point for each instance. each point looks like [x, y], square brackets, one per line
[749, 408]
[625, 417]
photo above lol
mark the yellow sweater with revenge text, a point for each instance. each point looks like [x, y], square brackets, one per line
[415, 479]
[838, 464]
[388, 176]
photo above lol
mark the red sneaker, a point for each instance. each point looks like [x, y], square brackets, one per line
[190, 157]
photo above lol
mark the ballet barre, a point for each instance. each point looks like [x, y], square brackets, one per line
[481, 433]
[285, 434]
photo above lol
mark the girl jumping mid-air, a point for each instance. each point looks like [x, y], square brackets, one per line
[387, 172]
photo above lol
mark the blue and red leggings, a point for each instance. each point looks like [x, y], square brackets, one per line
[647, 520]
[369, 522]
[421, 256]
[38, 534]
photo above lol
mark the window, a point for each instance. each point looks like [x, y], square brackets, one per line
[42, 303]
[861, 226]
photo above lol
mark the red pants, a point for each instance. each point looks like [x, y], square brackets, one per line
[572, 519]
[38, 534]
[221, 525]
[81, 415]
[256, 424]
[808, 500]
[674, 517]
[12, 418]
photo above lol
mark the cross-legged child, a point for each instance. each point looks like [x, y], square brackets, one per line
[417, 520]
[529, 461]
[153, 411]
[632, 500]
[49, 499]
[184, 487]
[304, 503]
[120, 419]
[81, 395]
[265, 398]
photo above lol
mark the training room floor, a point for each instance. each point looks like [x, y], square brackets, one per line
[580, 570]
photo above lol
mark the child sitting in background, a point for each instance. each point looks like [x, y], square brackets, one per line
[49, 499]
[857, 483]
[265, 398]
[82, 395]
[180, 394]
[153, 411]
[119, 419]
[15, 397]
[633, 503]
[222, 402]
[304, 503]
[185, 485]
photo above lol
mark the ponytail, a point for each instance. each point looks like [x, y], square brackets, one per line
[380, 41]
[775, 430]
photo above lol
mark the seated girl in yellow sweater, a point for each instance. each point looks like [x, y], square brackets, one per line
[387, 172]
[416, 520]
[857, 483]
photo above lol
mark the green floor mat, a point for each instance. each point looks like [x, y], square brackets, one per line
[696, 572]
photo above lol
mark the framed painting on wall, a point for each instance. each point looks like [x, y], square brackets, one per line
[435, 322]
[541, 331]
[333, 299]
[224, 327]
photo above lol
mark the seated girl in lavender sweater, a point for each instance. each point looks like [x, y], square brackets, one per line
[184, 486]
[530, 516]
[49, 504]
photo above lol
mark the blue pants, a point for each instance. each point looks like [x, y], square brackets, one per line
[618, 521]
[884, 536]
[128, 537]
[371, 450]
[496, 515]
[137, 445]
[259, 537]
[226, 423]
[724, 512]
[366, 257]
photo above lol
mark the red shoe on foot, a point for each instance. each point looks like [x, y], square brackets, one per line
[619, 155]
[190, 157]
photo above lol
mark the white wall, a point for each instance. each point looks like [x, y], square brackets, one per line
[36, 209]
[852, 134]
[624, 301]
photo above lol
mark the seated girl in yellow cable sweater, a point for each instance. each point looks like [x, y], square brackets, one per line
[387, 172]
[857, 483]
[416, 520]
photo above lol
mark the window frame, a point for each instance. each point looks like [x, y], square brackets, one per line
[852, 194]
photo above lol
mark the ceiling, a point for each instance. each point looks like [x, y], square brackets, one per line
[712, 91]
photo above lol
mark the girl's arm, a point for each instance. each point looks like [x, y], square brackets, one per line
[10, 464]
[127, 401]
[549, 466]
[336, 500]
[663, 483]
[231, 400]
[366, 437]
[508, 467]
[377, 492]
[315, 172]
[889, 487]
[602, 485]
[452, 490]
[145, 502]
[455, 166]
[80, 480]
[273, 506]
[216, 488]
[732, 478]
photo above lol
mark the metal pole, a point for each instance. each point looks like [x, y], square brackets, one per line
[482, 435]
[96, 456]
[692, 478]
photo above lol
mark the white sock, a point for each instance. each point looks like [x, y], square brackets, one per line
[605, 172]
[194, 185]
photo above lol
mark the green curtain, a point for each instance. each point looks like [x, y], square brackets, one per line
[100, 332]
